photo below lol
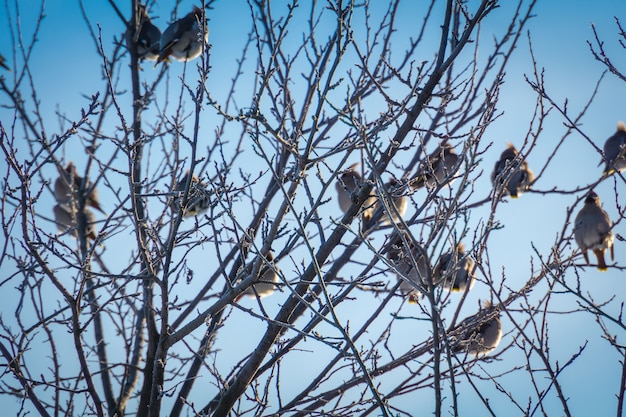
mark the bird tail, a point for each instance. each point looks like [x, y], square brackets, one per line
[414, 297]
[164, 55]
[608, 171]
[96, 205]
[417, 182]
[601, 263]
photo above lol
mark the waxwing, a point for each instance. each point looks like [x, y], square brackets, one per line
[184, 39]
[437, 168]
[482, 336]
[198, 200]
[66, 218]
[400, 201]
[148, 36]
[348, 185]
[68, 184]
[265, 284]
[516, 178]
[592, 230]
[404, 258]
[454, 270]
[615, 151]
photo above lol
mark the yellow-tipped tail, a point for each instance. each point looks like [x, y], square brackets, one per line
[608, 172]
[414, 298]
[601, 263]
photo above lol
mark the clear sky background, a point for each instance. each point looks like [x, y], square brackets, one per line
[66, 67]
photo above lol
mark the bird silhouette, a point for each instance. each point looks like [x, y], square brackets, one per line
[184, 39]
[515, 177]
[67, 186]
[400, 201]
[437, 168]
[454, 270]
[615, 151]
[67, 218]
[410, 265]
[348, 185]
[592, 230]
[482, 336]
[198, 198]
[265, 283]
[147, 35]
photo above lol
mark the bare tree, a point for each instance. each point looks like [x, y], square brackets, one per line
[222, 277]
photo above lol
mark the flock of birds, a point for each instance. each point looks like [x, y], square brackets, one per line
[184, 40]
[454, 270]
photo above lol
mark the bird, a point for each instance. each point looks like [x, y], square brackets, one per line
[197, 199]
[481, 336]
[66, 217]
[514, 178]
[148, 39]
[3, 63]
[437, 168]
[405, 257]
[266, 284]
[615, 151]
[455, 270]
[592, 230]
[348, 186]
[184, 39]
[67, 185]
[394, 188]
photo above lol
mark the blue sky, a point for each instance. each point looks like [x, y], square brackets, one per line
[66, 66]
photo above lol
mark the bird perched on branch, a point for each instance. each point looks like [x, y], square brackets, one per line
[592, 230]
[66, 217]
[455, 270]
[184, 39]
[348, 186]
[68, 184]
[615, 151]
[482, 336]
[437, 168]
[198, 198]
[514, 176]
[394, 188]
[145, 34]
[410, 264]
[264, 284]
